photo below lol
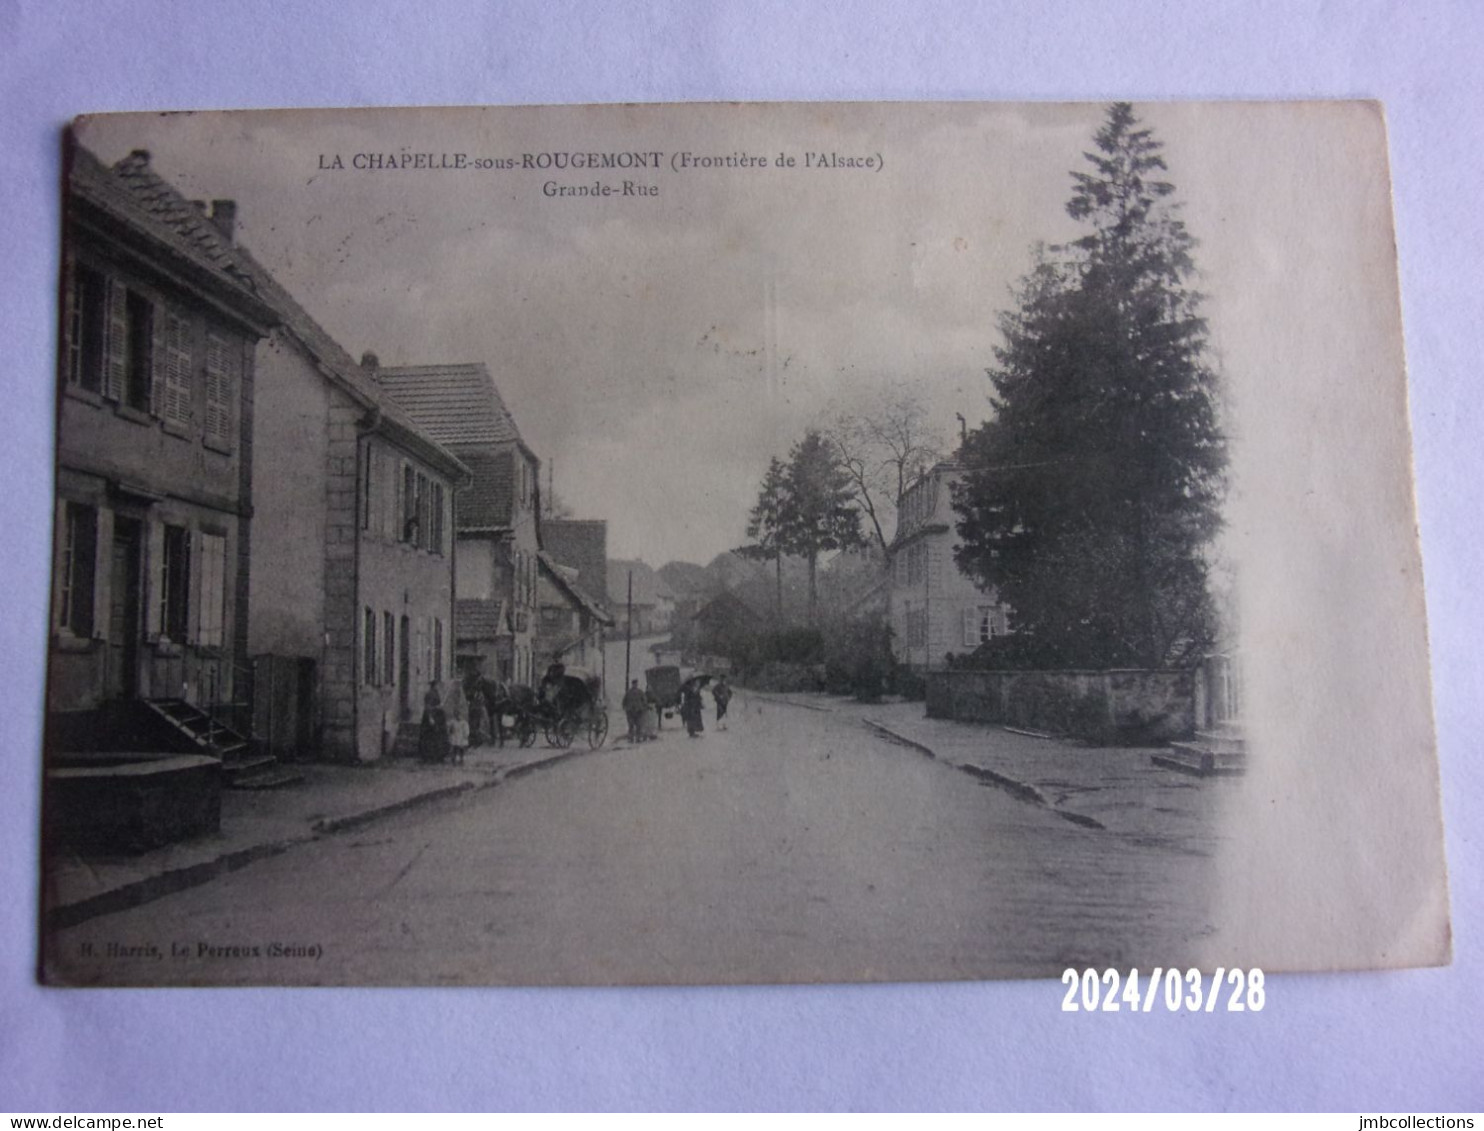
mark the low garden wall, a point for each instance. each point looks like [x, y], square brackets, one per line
[1128, 707]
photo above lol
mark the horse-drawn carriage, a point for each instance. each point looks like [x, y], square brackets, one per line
[570, 704]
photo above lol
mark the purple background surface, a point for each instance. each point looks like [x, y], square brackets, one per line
[1396, 1041]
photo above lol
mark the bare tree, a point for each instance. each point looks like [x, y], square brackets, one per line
[883, 442]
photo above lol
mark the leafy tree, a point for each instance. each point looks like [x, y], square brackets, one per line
[765, 525]
[819, 513]
[1092, 495]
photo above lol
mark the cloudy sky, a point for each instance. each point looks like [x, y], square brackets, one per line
[657, 350]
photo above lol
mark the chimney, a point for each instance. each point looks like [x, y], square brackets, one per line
[370, 362]
[224, 216]
[140, 155]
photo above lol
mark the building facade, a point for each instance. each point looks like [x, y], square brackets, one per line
[497, 514]
[935, 609]
[154, 448]
[571, 624]
[352, 608]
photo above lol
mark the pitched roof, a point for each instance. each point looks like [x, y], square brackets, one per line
[486, 503]
[130, 192]
[559, 576]
[479, 619]
[455, 404]
[650, 587]
[345, 371]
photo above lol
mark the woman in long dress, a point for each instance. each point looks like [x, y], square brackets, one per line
[457, 708]
[432, 735]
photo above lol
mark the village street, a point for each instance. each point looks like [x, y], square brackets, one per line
[796, 845]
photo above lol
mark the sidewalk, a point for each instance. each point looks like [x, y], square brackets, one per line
[1111, 788]
[259, 823]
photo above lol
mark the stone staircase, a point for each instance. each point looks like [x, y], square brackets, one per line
[244, 766]
[1220, 750]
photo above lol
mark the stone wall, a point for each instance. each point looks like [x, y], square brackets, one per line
[1122, 706]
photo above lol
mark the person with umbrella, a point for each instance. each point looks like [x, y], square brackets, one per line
[691, 707]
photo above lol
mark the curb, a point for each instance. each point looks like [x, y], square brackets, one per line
[158, 886]
[1016, 789]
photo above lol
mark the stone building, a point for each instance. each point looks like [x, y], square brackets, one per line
[497, 516]
[935, 609]
[155, 455]
[571, 622]
[352, 610]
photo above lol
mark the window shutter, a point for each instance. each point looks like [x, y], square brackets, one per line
[218, 389]
[176, 406]
[72, 320]
[971, 628]
[116, 340]
[159, 360]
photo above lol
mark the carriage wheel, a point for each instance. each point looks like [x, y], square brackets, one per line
[597, 730]
[525, 731]
[561, 733]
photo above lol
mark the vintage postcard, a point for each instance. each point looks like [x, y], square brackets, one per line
[735, 543]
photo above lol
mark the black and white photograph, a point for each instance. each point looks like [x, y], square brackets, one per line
[721, 544]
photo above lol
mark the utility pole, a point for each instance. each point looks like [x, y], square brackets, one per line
[628, 643]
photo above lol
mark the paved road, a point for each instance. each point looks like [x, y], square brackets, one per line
[795, 846]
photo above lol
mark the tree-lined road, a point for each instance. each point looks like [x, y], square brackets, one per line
[794, 846]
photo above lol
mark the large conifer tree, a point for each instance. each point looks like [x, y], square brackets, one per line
[1093, 493]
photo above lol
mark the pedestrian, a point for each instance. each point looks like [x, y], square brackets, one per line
[432, 734]
[457, 710]
[691, 708]
[479, 716]
[722, 693]
[635, 707]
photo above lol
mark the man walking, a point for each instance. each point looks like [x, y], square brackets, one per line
[635, 707]
[722, 693]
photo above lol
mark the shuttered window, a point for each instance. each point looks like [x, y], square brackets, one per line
[175, 583]
[210, 628]
[221, 385]
[174, 403]
[116, 341]
[79, 569]
[86, 328]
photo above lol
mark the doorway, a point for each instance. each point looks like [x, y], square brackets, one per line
[124, 623]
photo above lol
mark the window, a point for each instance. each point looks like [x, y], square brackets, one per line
[437, 650]
[221, 386]
[917, 628]
[174, 403]
[87, 320]
[79, 568]
[424, 523]
[389, 649]
[368, 477]
[368, 644]
[435, 531]
[983, 624]
[175, 584]
[409, 503]
[209, 632]
[138, 351]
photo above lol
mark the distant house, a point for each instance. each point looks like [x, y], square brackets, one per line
[726, 625]
[653, 603]
[935, 609]
[353, 548]
[497, 518]
[154, 452]
[581, 545]
[572, 622]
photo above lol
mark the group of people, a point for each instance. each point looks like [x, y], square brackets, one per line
[455, 718]
[640, 707]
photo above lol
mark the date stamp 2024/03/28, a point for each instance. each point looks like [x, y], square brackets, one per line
[1111, 991]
